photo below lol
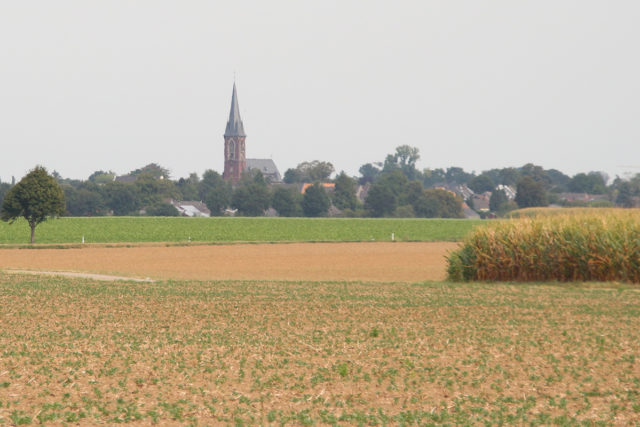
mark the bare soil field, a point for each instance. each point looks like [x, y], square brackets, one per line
[82, 352]
[382, 262]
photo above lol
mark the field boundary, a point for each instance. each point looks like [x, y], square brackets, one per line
[199, 243]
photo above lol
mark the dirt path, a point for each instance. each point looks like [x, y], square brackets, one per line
[102, 277]
[405, 262]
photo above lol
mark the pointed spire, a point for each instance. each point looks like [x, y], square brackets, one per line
[234, 125]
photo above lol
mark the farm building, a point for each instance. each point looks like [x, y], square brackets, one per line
[192, 208]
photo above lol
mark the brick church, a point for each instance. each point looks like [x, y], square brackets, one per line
[235, 161]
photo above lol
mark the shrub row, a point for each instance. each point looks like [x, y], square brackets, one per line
[602, 246]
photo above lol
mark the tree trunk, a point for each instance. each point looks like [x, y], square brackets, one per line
[33, 233]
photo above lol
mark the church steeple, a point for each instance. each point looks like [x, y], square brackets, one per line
[234, 125]
[235, 161]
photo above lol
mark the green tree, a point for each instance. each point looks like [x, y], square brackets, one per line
[188, 187]
[369, 172]
[426, 206]
[395, 180]
[215, 192]
[404, 211]
[388, 192]
[152, 190]
[316, 170]
[481, 184]
[36, 197]
[531, 193]
[433, 176]
[536, 173]
[102, 177]
[315, 201]
[381, 200]
[592, 183]
[252, 196]
[505, 176]
[162, 209]
[447, 204]
[4, 188]
[154, 170]
[292, 176]
[625, 195]
[217, 199]
[625, 191]
[456, 175]
[287, 202]
[410, 193]
[557, 180]
[344, 194]
[122, 198]
[404, 159]
[309, 172]
[498, 201]
[509, 176]
[84, 201]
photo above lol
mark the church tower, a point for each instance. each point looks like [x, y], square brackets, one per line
[235, 161]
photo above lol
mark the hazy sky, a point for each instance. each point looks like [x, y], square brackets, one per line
[89, 85]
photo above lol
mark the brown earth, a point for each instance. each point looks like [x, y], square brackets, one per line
[294, 353]
[382, 262]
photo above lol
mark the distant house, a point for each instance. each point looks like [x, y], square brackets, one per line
[508, 190]
[192, 208]
[126, 178]
[461, 190]
[465, 193]
[468, 212]
[481, 201]
[363, 191]
[328, 186]
[582, 197]
[267, 167]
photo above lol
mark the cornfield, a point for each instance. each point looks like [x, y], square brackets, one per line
[585, 246]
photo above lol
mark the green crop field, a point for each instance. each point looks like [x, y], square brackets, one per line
[156, 229]
[273, 353]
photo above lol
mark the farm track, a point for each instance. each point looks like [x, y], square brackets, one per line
[92, 276]
[381, 262]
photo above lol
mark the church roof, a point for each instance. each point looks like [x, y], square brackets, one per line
[234, 125]
[266, 166]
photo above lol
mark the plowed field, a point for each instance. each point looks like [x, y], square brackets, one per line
[222, 353]
[384, 262]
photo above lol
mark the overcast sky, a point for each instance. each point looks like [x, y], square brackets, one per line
[115, 84]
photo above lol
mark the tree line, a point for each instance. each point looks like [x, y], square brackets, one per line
[394, 187]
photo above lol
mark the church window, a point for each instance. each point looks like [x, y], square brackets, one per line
[232, 150]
